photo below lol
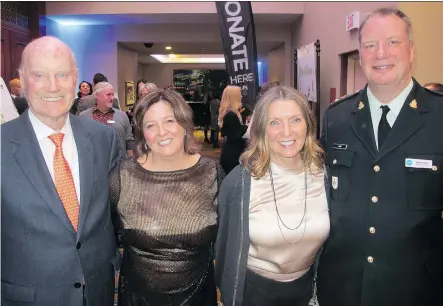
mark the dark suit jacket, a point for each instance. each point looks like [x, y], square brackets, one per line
[214, 106]
[21, 104]
[74, 107]
[386, 241]
[43, 259]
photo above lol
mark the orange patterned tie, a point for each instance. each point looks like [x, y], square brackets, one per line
[64, 182]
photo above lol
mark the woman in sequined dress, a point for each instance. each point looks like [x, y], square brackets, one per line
[165, 203]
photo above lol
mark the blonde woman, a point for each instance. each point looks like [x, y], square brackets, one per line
[273, 213]
[231, 127]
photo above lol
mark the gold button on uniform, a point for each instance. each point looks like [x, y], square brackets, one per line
[334, 161]
[434, 168]
[370, 259]
[374, 199]
[376, 168]
[372, 230]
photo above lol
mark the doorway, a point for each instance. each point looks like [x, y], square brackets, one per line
[352, 78]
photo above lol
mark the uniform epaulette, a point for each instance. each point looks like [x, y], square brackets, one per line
[438, 94]
[344, 98]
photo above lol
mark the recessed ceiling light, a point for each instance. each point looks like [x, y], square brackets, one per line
[168, 47]
[189, 58]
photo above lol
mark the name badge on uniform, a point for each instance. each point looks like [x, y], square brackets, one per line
[339, 146]
[111, 121]
[335, 182]
[418, 163]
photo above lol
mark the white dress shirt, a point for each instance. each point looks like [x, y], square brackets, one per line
[47, 147]
[394, 106]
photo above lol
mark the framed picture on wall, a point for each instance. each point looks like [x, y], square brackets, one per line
[195, 84]
[129, 93]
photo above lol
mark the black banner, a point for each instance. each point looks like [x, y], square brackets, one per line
[239, 46]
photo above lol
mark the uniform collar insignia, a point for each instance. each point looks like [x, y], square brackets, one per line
[361, 105]
[413, 104]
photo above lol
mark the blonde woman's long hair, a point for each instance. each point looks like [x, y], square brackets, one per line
[257, 157]
[231, 101]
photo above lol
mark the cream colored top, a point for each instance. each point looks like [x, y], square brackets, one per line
[269, 254]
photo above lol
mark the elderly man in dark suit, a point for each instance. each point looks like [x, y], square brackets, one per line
[57, 239]
[385, 175]
[89, 101]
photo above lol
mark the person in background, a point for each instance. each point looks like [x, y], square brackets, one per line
[104, 112]
[85, 89]
[144, 89]
[206, 119]
[15, 88]
[273, 211]
[231, 127]
[20, 102]
[139, 84]
[89, 101]
[57, 239]
[165, 202]
[214, 105]
[437, 87]
[385, 160]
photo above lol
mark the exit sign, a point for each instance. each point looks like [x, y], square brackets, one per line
[352, 21]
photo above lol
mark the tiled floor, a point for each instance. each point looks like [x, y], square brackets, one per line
[207, 149]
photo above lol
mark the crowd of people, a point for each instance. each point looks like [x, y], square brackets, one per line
[352, 219]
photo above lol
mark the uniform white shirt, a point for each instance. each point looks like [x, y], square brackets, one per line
[47, 147]
[394, 106]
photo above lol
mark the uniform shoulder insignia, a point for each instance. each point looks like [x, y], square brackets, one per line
[438, 94]
[344, 98]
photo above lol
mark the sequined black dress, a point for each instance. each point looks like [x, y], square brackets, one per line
[169, 226]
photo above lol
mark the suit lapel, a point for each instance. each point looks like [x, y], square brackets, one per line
[409, 120]
[30, 159]
[85, 151]
[361, 123]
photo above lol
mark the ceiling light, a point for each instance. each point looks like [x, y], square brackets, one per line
[189, 58]
[168, 47]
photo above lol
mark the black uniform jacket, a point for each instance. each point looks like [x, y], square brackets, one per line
[386, 207]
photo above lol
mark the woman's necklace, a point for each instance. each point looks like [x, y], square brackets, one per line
[278, 213]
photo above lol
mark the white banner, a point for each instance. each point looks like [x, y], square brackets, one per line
[307, 71]
[7, 107]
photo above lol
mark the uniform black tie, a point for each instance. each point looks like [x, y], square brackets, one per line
[383, 128]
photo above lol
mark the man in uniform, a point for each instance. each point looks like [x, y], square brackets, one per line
[385, 180]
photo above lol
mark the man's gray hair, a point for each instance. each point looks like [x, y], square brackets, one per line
[101, 86]
[149, 86]
[386, 11]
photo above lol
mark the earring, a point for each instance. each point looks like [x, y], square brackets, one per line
[186, 133]
[146, 146]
